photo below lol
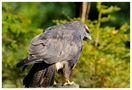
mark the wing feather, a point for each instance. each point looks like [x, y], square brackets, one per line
[55, 45]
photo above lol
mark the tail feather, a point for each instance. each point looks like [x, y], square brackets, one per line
[22, 62]
[28, 61]
[48, 78]
[40, 75]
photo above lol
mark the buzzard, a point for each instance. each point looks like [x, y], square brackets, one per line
[58, 48]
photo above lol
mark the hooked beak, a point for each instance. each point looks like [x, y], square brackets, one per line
[87, 37]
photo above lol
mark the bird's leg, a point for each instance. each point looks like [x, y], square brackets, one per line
[67, 72]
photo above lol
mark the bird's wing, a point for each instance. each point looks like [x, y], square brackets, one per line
[55, 45]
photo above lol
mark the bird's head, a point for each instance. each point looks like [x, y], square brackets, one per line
[83, 29]
[86, 33]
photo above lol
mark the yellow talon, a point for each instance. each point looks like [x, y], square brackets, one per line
[68, 82]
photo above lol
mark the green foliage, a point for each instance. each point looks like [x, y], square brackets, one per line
[14, 30]
[104, 62]
[108, 55]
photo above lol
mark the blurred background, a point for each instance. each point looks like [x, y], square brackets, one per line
[104, 63]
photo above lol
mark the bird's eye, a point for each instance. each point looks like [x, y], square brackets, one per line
[87, 29]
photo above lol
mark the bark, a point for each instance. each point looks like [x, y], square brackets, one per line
[85, 11]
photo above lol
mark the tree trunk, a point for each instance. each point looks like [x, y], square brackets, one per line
[85, 11]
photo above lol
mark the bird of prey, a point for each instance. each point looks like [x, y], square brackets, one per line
[58, 48]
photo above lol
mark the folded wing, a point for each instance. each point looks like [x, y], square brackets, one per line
[54, 45]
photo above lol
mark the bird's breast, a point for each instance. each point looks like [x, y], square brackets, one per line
[60, 65]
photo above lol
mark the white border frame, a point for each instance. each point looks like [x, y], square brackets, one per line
[64, 1]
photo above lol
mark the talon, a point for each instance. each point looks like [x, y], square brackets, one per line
[68, 83]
